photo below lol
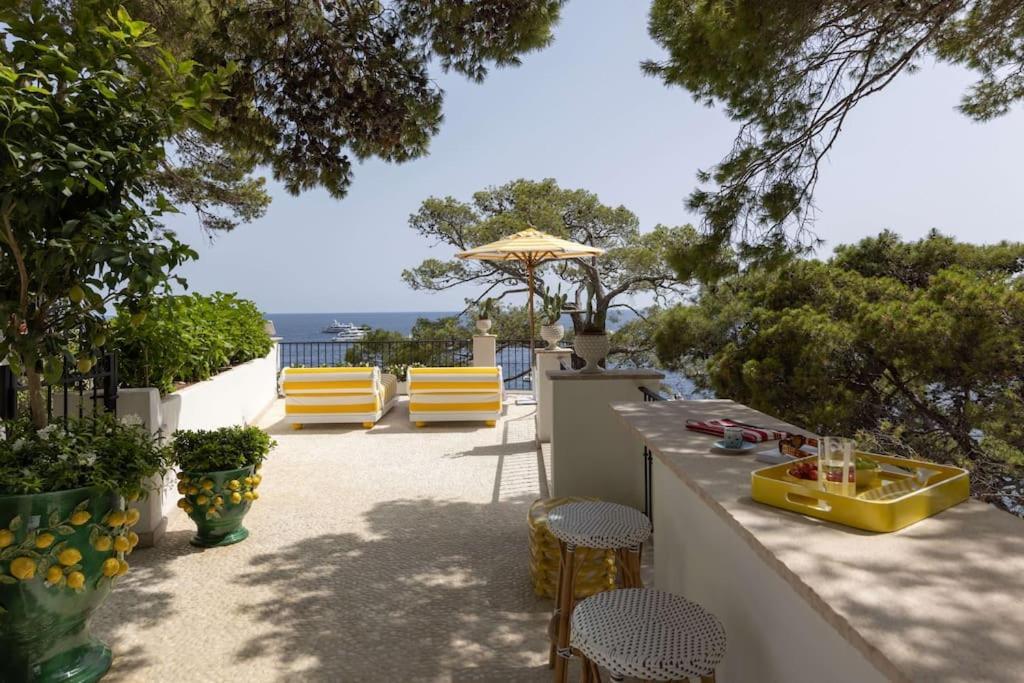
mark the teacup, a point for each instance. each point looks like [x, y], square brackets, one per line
[732, 437]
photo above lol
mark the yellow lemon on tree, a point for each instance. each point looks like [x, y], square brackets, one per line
[76, 294]
[84, 365]
[122, 544]
[202, 500]
[76, 580]
[123, 569]
[44, 540]
[234, 485]
[137, 319]
[193, 490]
[103, 544]
[111, 566]
[69, 557]
[133, 538]
[79, 518]
[236, 497]
[132, 517]
[6, 537]
[23, 568]
[54, 575]
[116, 518]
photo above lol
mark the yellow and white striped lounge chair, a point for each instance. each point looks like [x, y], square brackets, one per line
[337, 395]
[455, 395]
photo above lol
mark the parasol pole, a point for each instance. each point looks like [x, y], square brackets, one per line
[529, 286]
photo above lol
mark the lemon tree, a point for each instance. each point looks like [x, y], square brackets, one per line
[88, 100]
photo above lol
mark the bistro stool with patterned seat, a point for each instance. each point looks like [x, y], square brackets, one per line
[597, 525]
[647, 634]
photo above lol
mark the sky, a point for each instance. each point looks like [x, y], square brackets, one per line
[582, 112]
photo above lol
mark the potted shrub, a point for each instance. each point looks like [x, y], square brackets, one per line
[219, 478]
[591, 342]
[483, 315]
[552, 306]
[64, 535]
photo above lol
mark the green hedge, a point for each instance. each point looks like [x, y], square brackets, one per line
[187, 339]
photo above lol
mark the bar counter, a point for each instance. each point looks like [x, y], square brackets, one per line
[808, 600]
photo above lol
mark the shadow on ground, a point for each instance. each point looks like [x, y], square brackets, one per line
[435, 594]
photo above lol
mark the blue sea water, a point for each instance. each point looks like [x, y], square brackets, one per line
[308, 326]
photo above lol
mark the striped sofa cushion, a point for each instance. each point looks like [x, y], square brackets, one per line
[301, 381]
[450, 394]
[333, 394]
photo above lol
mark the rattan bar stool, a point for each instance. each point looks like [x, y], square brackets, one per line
[647, 634]
[598, 525]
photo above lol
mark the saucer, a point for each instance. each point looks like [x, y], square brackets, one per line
[720, 447]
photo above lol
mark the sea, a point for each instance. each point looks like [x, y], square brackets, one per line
[308, 327]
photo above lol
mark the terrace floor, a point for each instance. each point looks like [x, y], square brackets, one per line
[390, 554]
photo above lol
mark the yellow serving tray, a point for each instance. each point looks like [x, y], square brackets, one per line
[906, 491]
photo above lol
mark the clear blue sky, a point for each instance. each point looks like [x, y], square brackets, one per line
[582, 113]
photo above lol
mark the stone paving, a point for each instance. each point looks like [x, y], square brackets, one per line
[394, 554]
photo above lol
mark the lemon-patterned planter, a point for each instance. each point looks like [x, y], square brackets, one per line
[60, 554]
[217, 502]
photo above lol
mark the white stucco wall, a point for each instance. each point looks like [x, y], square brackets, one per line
[591, 454]
[773, 633]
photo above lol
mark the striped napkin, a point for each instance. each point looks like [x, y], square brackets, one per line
[750, 432]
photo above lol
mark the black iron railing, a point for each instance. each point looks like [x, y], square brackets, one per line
[395, 355]
[75, 394]
[649, 395]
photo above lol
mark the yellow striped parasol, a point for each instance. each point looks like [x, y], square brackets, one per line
[532, 247]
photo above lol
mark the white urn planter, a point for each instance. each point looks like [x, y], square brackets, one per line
[552, 334]
[483, 325]
[593, 348]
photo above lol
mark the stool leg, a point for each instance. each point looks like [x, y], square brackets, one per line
[708, 679]
[553, 623]
[565, 600]
[628, 561]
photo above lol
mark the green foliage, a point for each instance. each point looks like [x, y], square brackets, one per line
[400, 370]
[554, 304]
[919, 346]
[100, 451]
[322, 85]
[791, 71]
[215, 450]
[87, 101]
[187, 339]
[486, 309]
[634, 262]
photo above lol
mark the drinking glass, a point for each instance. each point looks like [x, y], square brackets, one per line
[837, 466]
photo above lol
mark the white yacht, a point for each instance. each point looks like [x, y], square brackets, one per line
[349, 333]
[335, 326]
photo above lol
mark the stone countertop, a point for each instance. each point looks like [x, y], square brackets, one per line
[941, 600]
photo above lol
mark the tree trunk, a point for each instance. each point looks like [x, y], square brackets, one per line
[36, 404]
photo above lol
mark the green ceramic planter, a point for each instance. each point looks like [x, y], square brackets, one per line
[217, 502]
[53, 576]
